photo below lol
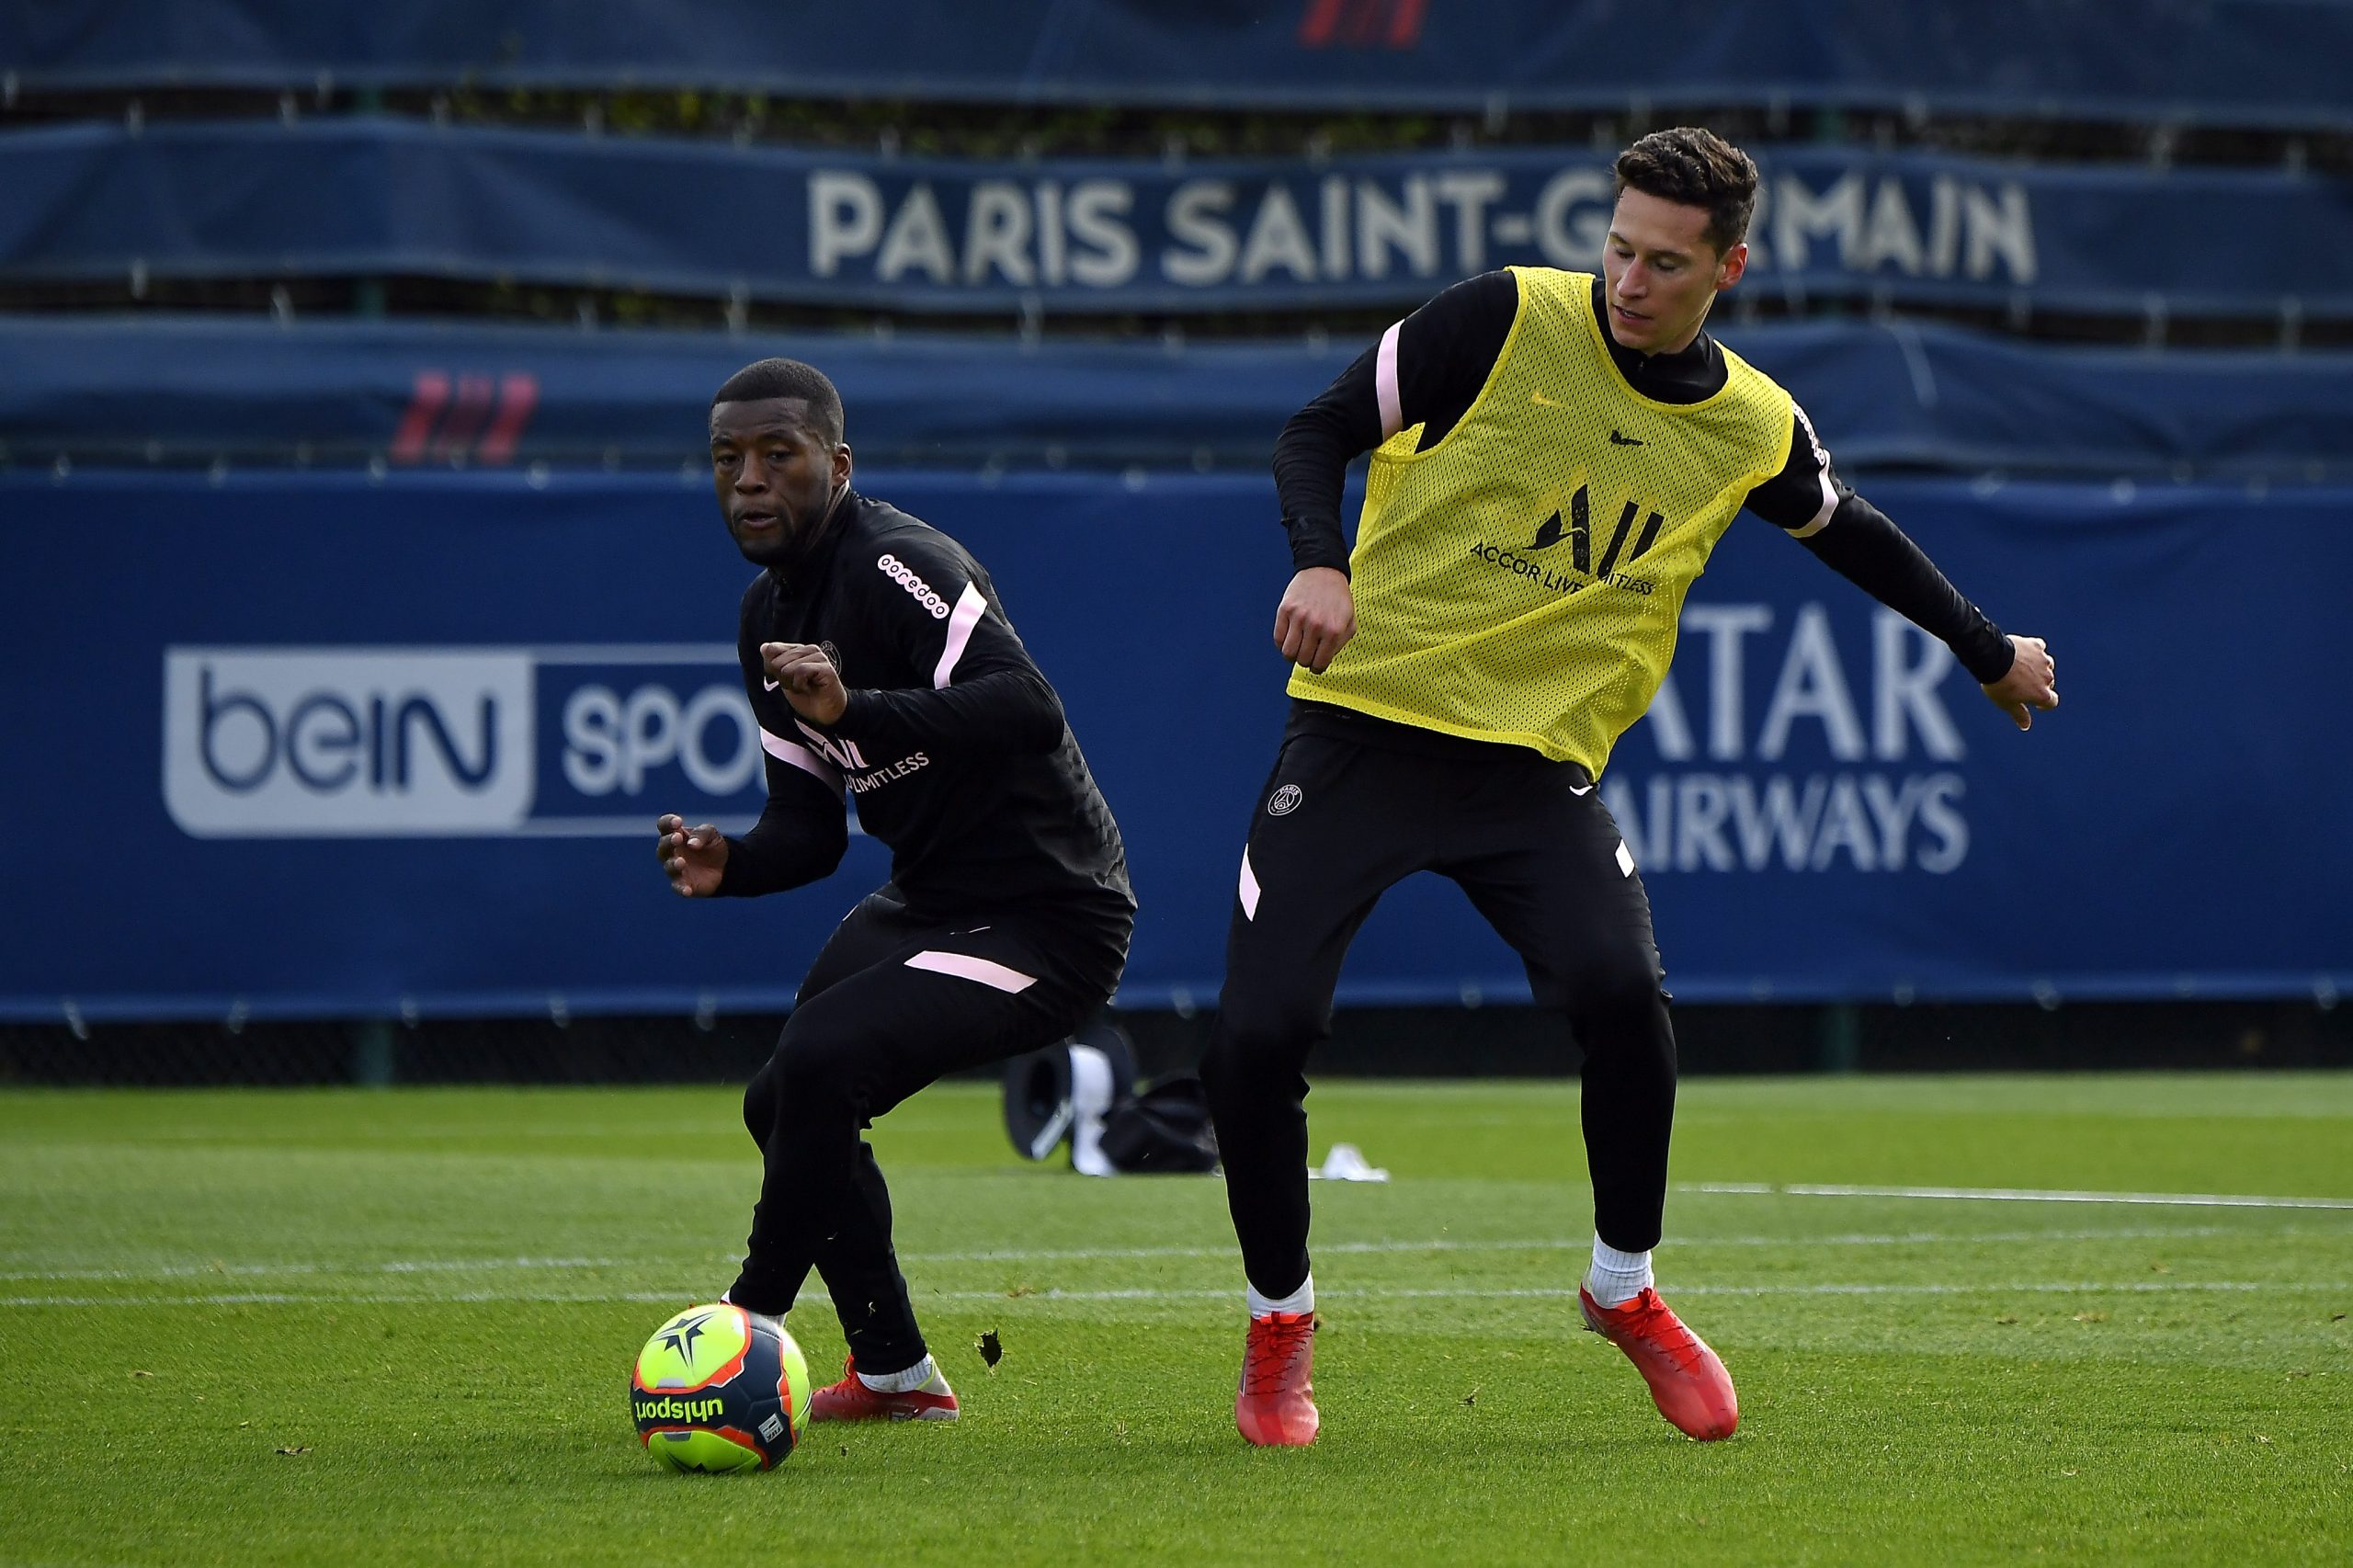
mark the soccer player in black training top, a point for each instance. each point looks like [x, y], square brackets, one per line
[1557, 454]
[877, 660]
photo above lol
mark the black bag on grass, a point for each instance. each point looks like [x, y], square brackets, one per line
[1082, 1093]
[1166, 1128]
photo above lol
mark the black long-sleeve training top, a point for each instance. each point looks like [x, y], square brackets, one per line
[1444, 352]
[952, 744]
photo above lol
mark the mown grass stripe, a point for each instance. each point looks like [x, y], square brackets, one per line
[1149, 1293]
[1122, 1254]
[2008, 1195]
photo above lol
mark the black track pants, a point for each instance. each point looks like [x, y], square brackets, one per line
[891, 1004]
[1531, 844]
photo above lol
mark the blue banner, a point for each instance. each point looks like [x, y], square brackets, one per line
[2247, 61]
[202, 200]
[310, 744]
[406, 394]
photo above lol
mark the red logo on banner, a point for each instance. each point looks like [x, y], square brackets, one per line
[483, 421]
[1362, 24]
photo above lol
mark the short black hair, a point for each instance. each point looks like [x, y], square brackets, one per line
[1693, 168]
[786, 378]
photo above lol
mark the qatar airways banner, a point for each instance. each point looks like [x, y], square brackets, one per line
[335, 746]
[703, 217]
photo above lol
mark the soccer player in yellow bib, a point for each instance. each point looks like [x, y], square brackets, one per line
[1555, 456]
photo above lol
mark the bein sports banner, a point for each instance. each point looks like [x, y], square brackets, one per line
[355, 747]
[438, 742]
[698, 217]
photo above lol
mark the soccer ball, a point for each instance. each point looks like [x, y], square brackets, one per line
[717, 1390]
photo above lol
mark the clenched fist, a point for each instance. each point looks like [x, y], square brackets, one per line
[1317, 619]
[809, 681]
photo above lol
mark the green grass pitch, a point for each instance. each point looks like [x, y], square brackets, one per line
[268, 1327]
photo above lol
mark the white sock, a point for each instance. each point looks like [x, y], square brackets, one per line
[1616, 1277]
[1300, 1300]
[920, 1376]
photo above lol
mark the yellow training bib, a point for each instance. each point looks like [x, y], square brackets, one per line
[1521, 581]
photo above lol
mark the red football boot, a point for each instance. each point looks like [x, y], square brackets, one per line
[1277, 1405]
[1689, 1384]
[851, 1400]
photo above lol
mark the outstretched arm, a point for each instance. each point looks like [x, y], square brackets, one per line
[1862, 544]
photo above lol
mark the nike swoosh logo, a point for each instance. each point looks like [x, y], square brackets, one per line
[1574, 790]
[1544, 402]
[1618, 440]
[767, 685]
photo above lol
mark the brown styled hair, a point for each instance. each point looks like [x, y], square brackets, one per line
[1695, 168]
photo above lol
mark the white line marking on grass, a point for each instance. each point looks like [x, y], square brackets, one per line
[331, 1271]
[1583, 1243]
[1569, 1292]
[2012, 1195]
[1114, 1254]
[1998, 1238]
[348, 1299]
[1145, 1293]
